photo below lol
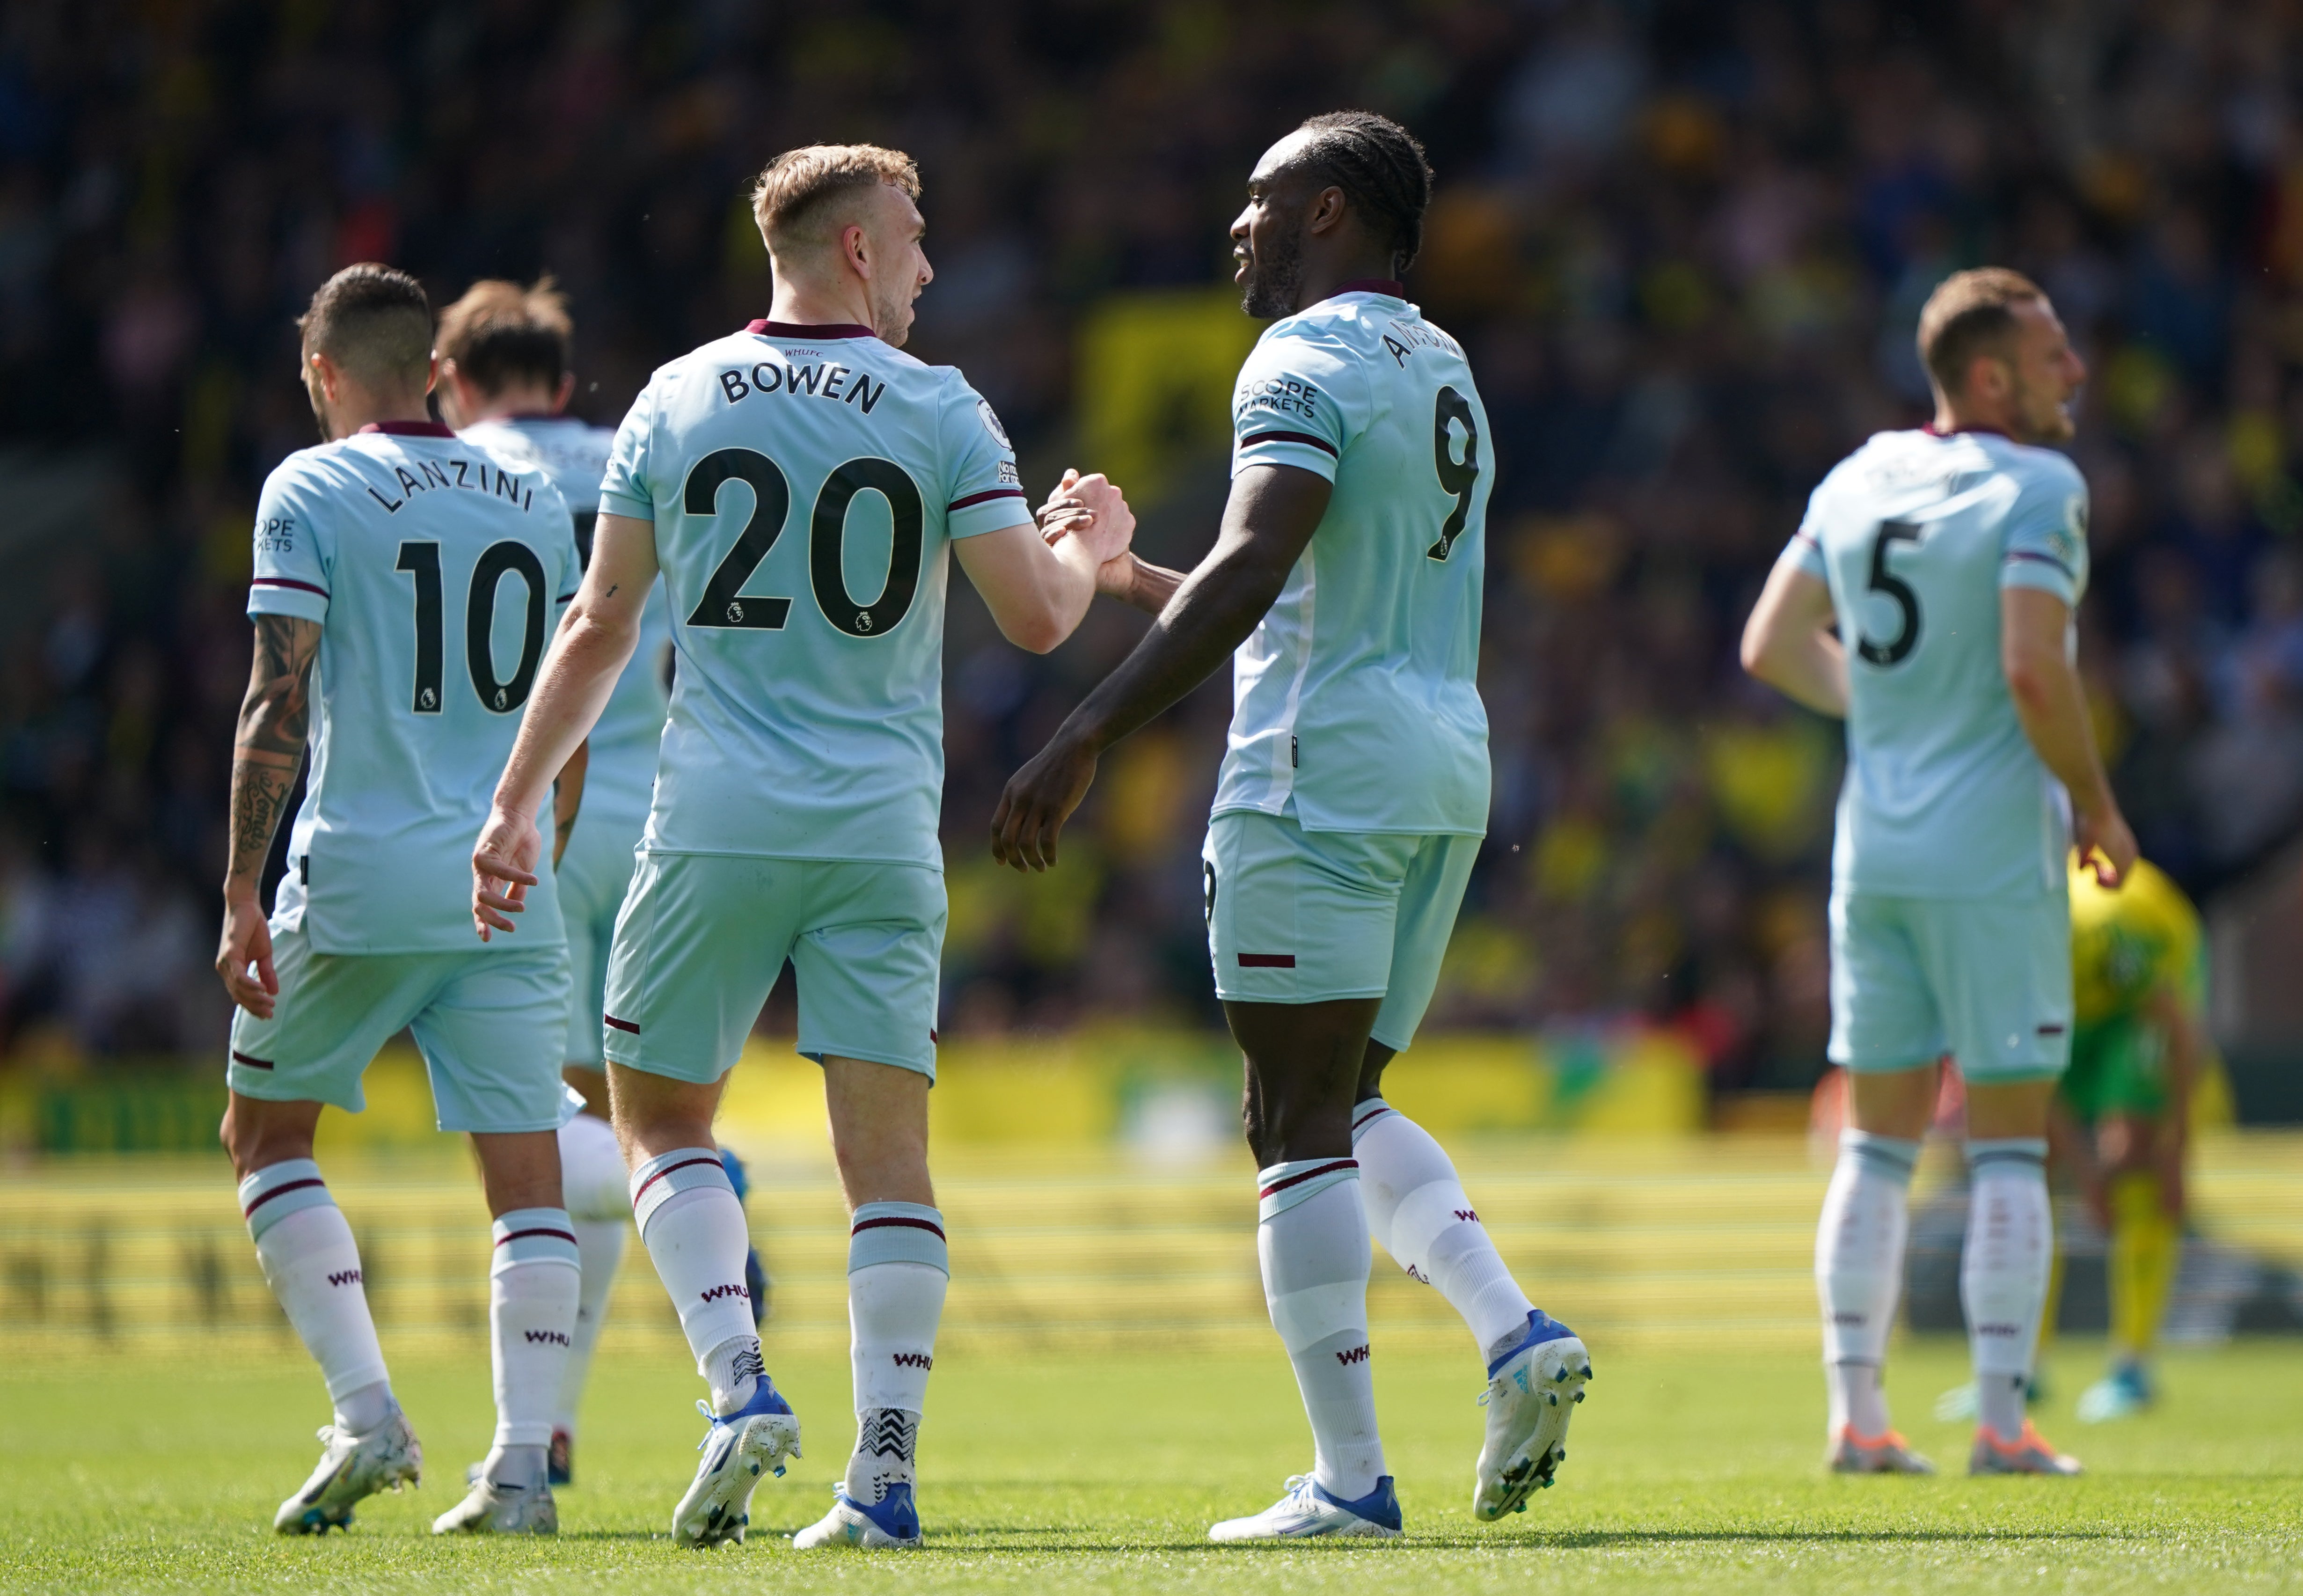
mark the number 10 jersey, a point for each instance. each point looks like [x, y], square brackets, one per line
[437, 573]
[1355, 700]
[1917, 534]
[805, 483]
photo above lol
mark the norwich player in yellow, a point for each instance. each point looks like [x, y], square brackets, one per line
[2139, 1043]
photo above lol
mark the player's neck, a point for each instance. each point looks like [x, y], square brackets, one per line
[1951, 418]
[515, 404]
[1324, 279]
[356, 408]
[809, 305]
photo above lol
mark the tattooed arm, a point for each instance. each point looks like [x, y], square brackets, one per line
[266, 753]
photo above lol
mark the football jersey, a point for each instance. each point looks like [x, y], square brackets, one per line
[1355, 700]
[1917, 534]
[437, 573]
[2129, 942]
[622, 769]
[805, 483]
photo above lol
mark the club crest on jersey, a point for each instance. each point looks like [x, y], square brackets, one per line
[991, 423]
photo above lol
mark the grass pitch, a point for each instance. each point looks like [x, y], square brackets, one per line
[1067, 1473]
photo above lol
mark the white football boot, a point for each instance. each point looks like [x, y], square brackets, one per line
[352, 1467]
[757, 1438]
[1307, 1510]
[889, 1524]
[1532, 1391]
[494, 1509]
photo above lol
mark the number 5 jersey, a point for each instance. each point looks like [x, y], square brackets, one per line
[1355, 700]
[806, 483]
[1917, 534]
[437, 574]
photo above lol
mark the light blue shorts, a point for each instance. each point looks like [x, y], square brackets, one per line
[1298, 916]
[703, 937]
[489, 1024]
[1988, 981]
[593, 877]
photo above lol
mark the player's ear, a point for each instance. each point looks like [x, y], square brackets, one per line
[856, 248]
[567, 391]
[1325, 213]
[432, 372]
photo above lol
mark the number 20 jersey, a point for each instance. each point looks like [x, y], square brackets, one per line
[1355, 700]
[437, 573]
[805, 483]
[1917, 534]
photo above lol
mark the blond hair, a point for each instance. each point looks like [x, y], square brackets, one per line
[797, 190]
[1969, 314]
[373, 320]
[500, 333]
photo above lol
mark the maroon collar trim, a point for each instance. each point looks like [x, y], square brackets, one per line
[411, 430]
[792, 329]
[1384, 285]
[1996, 432]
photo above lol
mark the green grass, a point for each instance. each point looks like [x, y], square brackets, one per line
[1056, 1472]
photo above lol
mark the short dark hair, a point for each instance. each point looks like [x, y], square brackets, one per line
[1381, 169]
[373, 321]
[500, 333]
[1969, 314]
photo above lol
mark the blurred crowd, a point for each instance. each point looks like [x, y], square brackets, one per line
[1685, 240]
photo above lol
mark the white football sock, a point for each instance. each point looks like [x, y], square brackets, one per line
[1859, 1272]
[898, 1269]
[1417, 1209]
[1313, 1239]
[532, 1289]
[313, 1267]
[599, 1210]
[2003, 1276]
[692, 1228]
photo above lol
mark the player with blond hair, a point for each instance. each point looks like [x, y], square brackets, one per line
[1928, 599]
[800, 484]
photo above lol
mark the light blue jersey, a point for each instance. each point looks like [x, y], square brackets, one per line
[621, 773]
[805, 483]
[1917, 534]
[1356, 706]
[437, 573]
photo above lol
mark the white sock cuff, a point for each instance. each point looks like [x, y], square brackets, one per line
[2008, 1155]
[277, 1190]
[897, 1233]
[664, 1177]
[1891, 1158]
[1283, 1186]
[591, 1177]
[534, 1236]
[1367, 1115]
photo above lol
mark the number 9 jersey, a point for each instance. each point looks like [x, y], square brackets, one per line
[805, 483]
[437, 574]
[1917, 534]
[1355, 701]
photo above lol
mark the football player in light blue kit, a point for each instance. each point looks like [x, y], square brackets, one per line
[799, 484]
[1929, 600]
[504, 384]
[1351, 805]
[405, 584]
